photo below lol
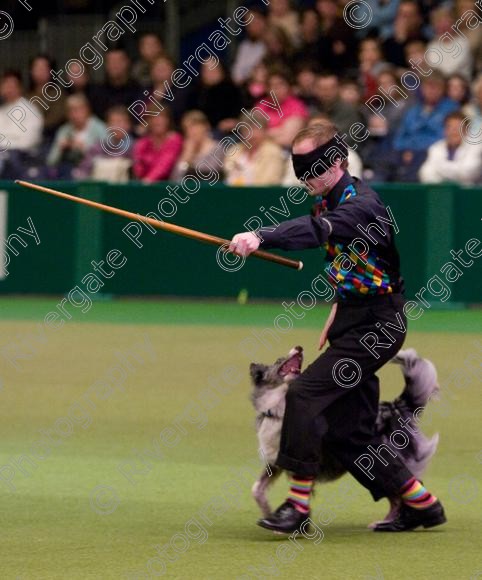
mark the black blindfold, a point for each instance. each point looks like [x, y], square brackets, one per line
[319, 160]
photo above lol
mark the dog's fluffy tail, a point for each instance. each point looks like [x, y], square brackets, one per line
[421, 385]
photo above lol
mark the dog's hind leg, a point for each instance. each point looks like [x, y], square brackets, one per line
[261, 486]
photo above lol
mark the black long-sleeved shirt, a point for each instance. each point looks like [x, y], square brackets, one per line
[357, 231]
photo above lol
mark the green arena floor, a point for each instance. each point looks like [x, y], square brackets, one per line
[129, 428]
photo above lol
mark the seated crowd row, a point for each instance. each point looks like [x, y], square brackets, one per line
[275, 87]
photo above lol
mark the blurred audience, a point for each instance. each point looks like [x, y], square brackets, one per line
[473, 110]
[406, 28]
[14, 102]
[350, 92]
[305, 83]
[329, 102]
[73, 139]
[467, 29]
[279, 48]
[51, 105]
[150, 49]
[110, 159]
[458, 89]
[377, 150]
[414, 52]
[162, 89]
[283, 16]
[119, 87]
[256, 87]
[262, 163]
[310, 30]
[21, 126]
[287, 113]
[79, 83]
[389, 81]
[454, 49]
[383, 14]
[421, 126]
[338, 42]
[156, 154]
[251, 49]
[293, 59]
[452, 158]
[371, 63]
[198, 147]
[218, 97]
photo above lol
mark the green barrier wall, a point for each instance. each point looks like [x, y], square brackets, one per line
[432, 220]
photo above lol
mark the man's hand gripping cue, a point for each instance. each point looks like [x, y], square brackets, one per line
[244, 244]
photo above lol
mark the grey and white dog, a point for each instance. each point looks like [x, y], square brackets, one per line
[268, 397]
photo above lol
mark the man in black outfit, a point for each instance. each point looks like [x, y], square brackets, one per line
[119, 89]
[336, 398]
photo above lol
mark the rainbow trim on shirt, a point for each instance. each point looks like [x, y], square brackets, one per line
[351, 274]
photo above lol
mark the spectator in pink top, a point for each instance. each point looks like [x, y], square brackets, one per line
[290, 116]
[156, 154]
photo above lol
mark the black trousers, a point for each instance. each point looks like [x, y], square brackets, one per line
[323, 403]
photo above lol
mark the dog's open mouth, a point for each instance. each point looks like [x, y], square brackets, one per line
[292, 365]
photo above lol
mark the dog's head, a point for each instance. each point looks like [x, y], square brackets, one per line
[283, 370]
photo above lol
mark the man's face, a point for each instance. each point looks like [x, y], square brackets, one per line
[279, 7]
[432, 91]
[119, 121]
[324, 182]
[257, 26]
[78, 114]
[117, 65]
[150, 48]
[442, 23]
[327, 89]
[10, 89]
[280, 87]
[327, 8]
[453, 132]
[409, 14]
[161, 71]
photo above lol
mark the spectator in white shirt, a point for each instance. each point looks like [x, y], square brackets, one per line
[25, 133]
[453, 158]
[252, 49]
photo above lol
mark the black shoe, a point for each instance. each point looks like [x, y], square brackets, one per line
[285, 520]
[410, 518]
